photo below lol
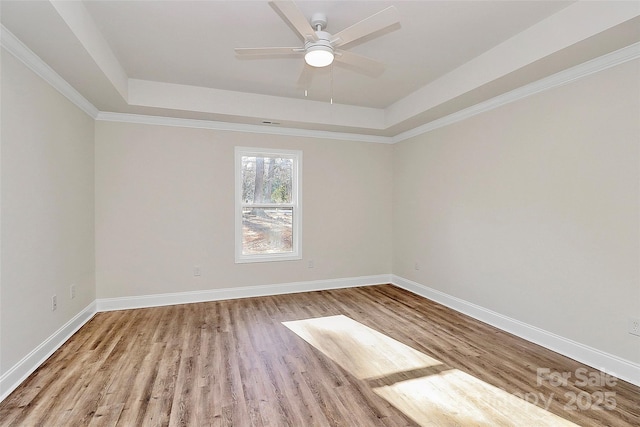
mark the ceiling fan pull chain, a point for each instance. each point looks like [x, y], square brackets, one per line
[331, 82]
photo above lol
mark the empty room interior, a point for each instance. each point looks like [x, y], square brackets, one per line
[358, 213]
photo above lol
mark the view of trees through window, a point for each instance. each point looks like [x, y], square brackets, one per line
[267, 217]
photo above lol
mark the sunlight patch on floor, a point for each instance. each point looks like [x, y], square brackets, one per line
[364, 352]
[457, 398]
[423, 388]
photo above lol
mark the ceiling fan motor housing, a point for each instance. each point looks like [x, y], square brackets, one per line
[324, 41]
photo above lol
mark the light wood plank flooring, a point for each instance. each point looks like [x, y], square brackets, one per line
[371, 356]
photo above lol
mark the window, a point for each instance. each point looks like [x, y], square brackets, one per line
[268, 207]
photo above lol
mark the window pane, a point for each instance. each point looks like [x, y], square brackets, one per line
[268, 222]
[266, 179]
[267, 231]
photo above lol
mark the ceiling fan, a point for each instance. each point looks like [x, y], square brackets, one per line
[321, 48]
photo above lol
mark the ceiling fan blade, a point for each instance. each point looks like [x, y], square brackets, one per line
[304, 81]
[360, 63]
[376, 22]
[290, 13]
[269, 51]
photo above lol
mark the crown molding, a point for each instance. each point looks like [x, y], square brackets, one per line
[239, 127]
[18, 49]
[14, 46]
[569, 75]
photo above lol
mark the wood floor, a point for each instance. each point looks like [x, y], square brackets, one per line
[371, 356]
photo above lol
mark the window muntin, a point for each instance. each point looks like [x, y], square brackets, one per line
[268, 210]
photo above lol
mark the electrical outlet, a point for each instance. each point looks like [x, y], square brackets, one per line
[72, 291]
[416, 266]
[54, 303]
[310, 264]
[634, 326]
[196, 271]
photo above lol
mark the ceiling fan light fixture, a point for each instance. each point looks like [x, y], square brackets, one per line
[319, 56]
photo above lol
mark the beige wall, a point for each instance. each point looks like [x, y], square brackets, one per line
[47, 221]
[165, 203]
[532, 210]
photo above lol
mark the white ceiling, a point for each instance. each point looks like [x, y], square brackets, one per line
[176, 58]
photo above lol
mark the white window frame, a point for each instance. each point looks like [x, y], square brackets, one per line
[296, 204]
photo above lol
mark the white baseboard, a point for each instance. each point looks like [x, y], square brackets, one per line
[613, 365]
[125, 303]
[25, 367]
[623, 369]
[10, 380]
